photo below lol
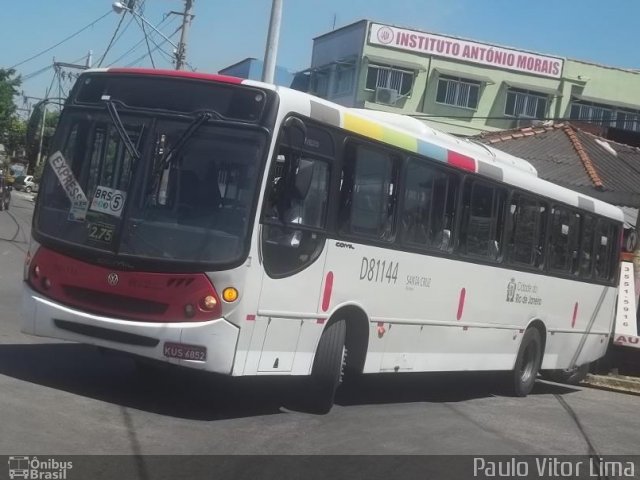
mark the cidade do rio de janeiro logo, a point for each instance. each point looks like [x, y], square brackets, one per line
[385, 35]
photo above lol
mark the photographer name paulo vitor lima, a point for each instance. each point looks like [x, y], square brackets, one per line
[552, 467]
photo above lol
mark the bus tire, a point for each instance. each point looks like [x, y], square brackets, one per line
[571, 376]
[527, 364]
[327, 367]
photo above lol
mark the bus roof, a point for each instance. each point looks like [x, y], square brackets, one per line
[412, 135]
[460, 153]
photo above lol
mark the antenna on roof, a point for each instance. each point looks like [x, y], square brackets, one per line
[335, 15]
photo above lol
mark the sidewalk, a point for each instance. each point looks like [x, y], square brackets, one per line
[616, 383]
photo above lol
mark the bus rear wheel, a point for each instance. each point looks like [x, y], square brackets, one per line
[328, 363]
[527, 365]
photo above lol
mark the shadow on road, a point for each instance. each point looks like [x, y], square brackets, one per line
[183, 393]
[434, 387]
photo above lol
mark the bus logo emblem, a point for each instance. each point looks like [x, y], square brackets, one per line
[113, 279]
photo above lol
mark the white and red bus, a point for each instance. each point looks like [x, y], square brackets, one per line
[245, 229]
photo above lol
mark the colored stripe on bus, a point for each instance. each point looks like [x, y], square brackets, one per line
[178, 73]
[400, 140]
[575, 315]
[432, 151]
[586, 204]
[362, 126]
[490, 171]
[325, 114]
[461, 161]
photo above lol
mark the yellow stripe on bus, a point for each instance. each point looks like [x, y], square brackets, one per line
[363, 126]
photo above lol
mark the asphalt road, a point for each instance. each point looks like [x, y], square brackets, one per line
[60, 398]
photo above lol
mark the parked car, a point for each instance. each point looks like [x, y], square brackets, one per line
[5, 194]
[26, 183]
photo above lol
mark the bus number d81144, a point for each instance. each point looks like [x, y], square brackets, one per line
[376, 270]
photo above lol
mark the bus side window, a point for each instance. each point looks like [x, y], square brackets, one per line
[523, 240]
[368, 192]
[483, 222]
[586, 246]
[565, 240]
[605, 250]
[559, 243]
[429, 206]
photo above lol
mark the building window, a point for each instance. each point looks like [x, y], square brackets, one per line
[605, 115]
[523, 103]
[591, 113]
[344, 80]
[628, 121]
[458, 92]
[320, 83]
[392, 78]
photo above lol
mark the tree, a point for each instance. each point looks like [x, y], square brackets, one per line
[15, 139]
[33, 129]
[9, 84]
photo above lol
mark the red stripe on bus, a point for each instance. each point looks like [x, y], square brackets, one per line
[328, 287]
[461, 161]
[320, 321]
[463, 293]
[575, 315]
[178, 73]
[251, 318]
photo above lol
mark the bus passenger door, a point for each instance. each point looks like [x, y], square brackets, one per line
[292, 249]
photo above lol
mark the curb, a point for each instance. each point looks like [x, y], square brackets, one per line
[614, 383]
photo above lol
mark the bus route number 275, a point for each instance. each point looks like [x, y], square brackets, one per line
[376, 270]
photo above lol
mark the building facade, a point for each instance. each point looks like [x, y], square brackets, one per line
[251, 69]
[467, 87]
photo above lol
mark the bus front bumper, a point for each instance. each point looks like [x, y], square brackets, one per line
[167, 342]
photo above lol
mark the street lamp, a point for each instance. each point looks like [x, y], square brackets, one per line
[120, 7]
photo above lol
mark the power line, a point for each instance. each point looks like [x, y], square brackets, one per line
[136, 46]
[62, 41]
[161, 43]
[113, 37]
[146, 39]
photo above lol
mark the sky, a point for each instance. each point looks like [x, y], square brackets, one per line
[224, 32]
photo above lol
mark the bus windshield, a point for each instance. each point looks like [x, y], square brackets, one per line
[179, 188]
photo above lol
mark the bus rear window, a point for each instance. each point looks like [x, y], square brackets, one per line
[173, 94]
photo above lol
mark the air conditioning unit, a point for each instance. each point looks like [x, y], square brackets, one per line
[387, 96]
[522, 122]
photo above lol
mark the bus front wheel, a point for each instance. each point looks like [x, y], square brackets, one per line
[327, 367]
[527, 363]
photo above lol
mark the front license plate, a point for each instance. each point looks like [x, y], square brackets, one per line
[185, 352]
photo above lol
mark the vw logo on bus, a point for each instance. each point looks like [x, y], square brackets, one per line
[112, 279]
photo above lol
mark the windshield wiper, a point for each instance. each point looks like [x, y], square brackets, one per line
[188, 133]
[115, 119]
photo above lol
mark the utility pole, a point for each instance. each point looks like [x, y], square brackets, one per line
[181, 53]
[271, 50]
[44, 119]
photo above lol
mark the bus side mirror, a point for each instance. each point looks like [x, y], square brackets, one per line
[295, 122]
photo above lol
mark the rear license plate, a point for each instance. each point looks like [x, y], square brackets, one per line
[184, 351]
